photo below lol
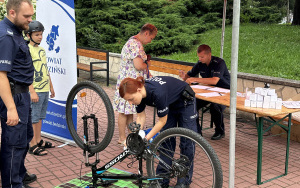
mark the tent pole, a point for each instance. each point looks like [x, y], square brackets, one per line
[223, 28]
[233, 88]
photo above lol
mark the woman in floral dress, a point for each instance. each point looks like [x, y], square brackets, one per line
[133, 64]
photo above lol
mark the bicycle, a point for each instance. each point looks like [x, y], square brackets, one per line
[162, 153]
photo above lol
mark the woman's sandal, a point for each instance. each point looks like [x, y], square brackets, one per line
[121, 142]
[36, 150]
[47, 144]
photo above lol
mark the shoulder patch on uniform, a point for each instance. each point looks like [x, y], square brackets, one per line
[10, 32]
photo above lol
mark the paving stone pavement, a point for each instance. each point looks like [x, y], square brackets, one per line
[65, 163]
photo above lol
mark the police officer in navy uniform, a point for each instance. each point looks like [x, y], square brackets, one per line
[175, 103]
[214, 72]
[16, 74]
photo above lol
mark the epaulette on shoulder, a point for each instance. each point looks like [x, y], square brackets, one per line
[9, 32]
[216, 61]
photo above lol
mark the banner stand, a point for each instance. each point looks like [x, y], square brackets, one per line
[59, 42]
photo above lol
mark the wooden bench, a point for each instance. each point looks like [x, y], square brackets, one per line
[101, 55]
[169, 66]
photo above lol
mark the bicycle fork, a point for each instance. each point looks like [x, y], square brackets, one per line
[86, 150]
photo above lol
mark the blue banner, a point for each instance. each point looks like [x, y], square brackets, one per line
[59, 41]
[55, 122]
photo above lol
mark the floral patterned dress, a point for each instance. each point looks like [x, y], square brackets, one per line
[132, 49]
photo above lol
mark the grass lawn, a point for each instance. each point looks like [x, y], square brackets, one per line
[271, 50]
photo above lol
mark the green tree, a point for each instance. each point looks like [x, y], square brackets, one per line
[107, 24]
[296, 18]
[3, 9]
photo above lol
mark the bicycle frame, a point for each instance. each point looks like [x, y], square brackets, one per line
[166, 161]
[97, 173]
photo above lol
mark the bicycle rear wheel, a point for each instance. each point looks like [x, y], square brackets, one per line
[191, 151]
[91, 100]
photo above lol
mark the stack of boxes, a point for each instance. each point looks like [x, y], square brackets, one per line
[263, 98]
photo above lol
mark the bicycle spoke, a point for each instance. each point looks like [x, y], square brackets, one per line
[192, 160]
[92, 104]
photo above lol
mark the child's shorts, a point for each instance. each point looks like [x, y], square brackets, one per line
[39, 108]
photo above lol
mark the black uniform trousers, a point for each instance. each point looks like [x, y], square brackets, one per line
[182, 114]
[15, 142]
[216, 111]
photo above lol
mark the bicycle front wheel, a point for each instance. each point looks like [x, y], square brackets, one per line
[93, 107]
[181, 156]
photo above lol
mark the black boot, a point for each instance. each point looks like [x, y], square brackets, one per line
[29, 178]
[26, 186]
[218, 136]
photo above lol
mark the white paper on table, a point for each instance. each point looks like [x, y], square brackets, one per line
[239, 94]
[212, 94]
[217, 89]
[200, 87]
[291, 104]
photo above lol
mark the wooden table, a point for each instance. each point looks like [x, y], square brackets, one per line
[263, 115]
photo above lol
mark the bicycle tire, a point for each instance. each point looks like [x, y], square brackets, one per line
[91, 99]
[204, 157]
